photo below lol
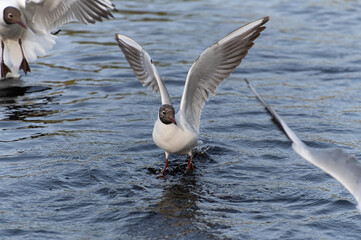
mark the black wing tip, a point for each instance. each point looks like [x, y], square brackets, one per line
[275, 118]
[100, 14]
[265, 19]
[255, 30]
[260, 26]
[118, 39]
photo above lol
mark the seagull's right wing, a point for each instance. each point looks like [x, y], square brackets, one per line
[339, 164]
[142, 65]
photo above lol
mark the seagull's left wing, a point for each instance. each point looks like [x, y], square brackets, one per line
[48, 15]
[214, 65]
[339, 164]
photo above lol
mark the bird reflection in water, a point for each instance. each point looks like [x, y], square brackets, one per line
[177, 213]
[19, 101]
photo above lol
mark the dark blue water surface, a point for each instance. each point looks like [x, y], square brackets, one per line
[77, 157]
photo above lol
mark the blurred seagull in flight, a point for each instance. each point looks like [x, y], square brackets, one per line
[26, 26]
[334, 161]
[178, 133]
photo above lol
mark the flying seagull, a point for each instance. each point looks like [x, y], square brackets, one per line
[334, 161]
[178, 133]
[26, 26]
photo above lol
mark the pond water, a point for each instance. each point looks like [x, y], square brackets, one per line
[77, 157]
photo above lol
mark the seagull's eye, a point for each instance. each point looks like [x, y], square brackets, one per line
[10, 15]
[163, 112]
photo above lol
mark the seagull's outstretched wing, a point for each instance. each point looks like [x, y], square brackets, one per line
[214, 65]
[142, 65]
[48, 15]
[339, 164]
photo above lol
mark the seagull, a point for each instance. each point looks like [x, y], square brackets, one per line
[177, 133]
[26, 26]
[342, 166]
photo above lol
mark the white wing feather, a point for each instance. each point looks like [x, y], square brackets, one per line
[214, 65]
[142, 65]
[339, 164]
[48, 15]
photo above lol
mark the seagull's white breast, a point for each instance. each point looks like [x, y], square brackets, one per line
[173, 138]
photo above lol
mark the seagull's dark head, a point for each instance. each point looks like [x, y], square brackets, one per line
[167, 114]
[13, 16]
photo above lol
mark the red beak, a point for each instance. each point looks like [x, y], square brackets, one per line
[22, 24]
[173, 120]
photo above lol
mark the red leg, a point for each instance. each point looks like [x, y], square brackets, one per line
[190, 164]
[24, 64]
[4, 69]
[165, 167]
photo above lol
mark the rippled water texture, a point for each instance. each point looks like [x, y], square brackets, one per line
[77, 158]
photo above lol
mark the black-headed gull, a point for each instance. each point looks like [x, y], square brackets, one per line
[26, 25]
[334, 161]
[178, 133]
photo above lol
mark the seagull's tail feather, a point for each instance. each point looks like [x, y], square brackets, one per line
[339, 164]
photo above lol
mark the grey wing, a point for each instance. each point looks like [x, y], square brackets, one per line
[339, 164]
[336, 162]
[142, 65]
[48, 15]
[214, 65]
